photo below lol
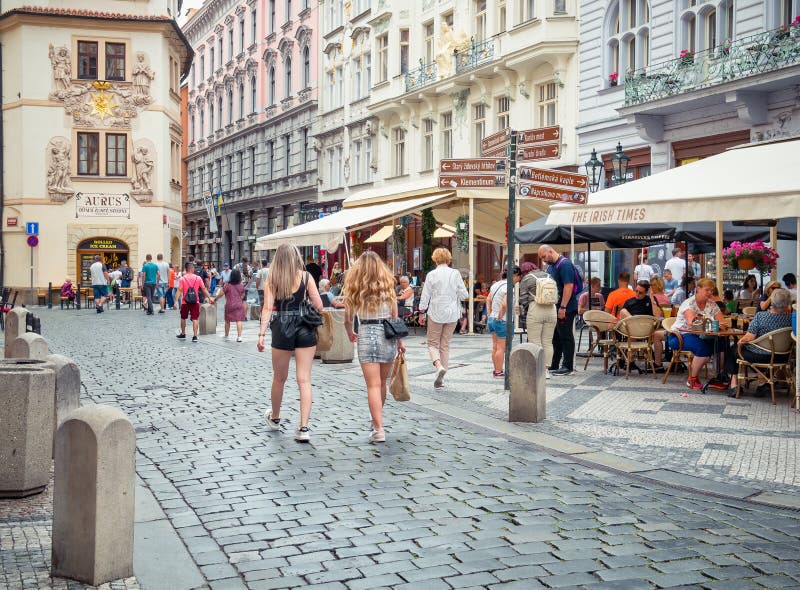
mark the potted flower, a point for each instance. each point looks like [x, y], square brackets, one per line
[612, 78]
[725, 48]
[780, 34]
[687, 57]
[462, 233]
[750, 255]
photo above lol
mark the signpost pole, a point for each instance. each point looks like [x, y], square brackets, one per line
[32, 293]
[510, 262]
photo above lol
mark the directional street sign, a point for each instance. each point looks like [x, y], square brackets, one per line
[495, 140]
[545, 151]
[474, 181]
[553, 185]
[500, 151]
[540, 135]
[472, 166]
[32, 228]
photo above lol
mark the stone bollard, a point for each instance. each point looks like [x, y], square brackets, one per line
[528, 397]
[208, 319]
[342, 350]
[27, 390]
[15, 327]
[93, 499]
[29, 346]
[68, 389]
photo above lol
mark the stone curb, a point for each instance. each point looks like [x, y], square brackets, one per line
[598, 459]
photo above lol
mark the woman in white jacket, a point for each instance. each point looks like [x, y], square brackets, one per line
[442, 295]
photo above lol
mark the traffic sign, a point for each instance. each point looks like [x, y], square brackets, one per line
[555, 177]
[474, 181]
[548, 193]
[500, 151]
[545, 151]
[553, 185]
[499, 139]
[540, 135]
[32, 228]
[33, 241]
[472, 166]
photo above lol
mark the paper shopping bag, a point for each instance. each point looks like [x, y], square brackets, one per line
[398, 383]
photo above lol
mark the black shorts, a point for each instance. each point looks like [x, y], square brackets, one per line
[289, 332]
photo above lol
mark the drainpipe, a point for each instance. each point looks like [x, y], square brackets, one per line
[2, 176]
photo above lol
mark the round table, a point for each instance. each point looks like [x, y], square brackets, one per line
[723, 332]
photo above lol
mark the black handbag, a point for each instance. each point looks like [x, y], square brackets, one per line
[394, 328]
[309, 315]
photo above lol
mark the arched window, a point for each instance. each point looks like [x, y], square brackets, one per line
[230, 106]
[241, 100]
[219, 111]
[627, 43]
[690, 32]
[306, 67]
[211, 117]
[192, 130]
[287, 77]
[710, 29]
[253, 94]
[202, 129]
[271, 86]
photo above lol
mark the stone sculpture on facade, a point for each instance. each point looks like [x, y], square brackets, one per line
[62, 70]
[59, 186]
[142, 76]
[448, 43]
[142, 170]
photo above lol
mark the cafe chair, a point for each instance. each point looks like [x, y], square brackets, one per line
[600, 323]
[749, 310]
[678, 355]
[633, 337]
[776, 343]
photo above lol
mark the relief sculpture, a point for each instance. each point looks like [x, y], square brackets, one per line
[59, 187]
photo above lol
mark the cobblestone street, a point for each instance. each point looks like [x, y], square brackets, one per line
[443, 504]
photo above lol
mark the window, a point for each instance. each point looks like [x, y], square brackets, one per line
[356, 78]
[501, 16]
[330, 79]
[271, 16]
[89, 154]
[241, 35]
[427, 143]
[548, 98]
[479, 125]
[339, 166]
[202, 129]
[627, 46]
[211, 61]
[631, 54]
[211, 117]
[241, 169]
[230, 43]
[288, 10]
[192, 124]
[727, 9]
[526, 11]
[287, 77]
[787, 12]
[448, 18]
[115, 61]
[202, 67]
[560, 7]
[503, 105]
[252, 165]
[632, 14]
[253, 26]
[447, 135]
[403, 51]
[430, 42]
[711, 29]
[241, 100]
[690, 34]
[398, 151]
[87, 60]
[305, 148]
[306, 67]
[287, 155]
[367, 159]
[480, 20]
[230, 106]
[355, 152]
[271, 86]
[116, 154]
[361, 76]
[383, 57]
[271, 159]
[219, 111]
[330, 168]
[366, 62]
[339, 86]
[253, 94]
[219, 45]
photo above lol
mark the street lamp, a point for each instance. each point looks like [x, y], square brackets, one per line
[619, 163]
[594, 168]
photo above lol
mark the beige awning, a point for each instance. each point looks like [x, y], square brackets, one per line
[444, 232]
[381, 235]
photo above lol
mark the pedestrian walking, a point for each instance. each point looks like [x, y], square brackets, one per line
[369, 294]
[287, 286]
[569, 283]
[441, 298]
[163, 282]
[235, 309]
[149, 281]
[190, 286]
[261, 280]
[496, 303]
[537, 297]
[100, 276]
[171, 287]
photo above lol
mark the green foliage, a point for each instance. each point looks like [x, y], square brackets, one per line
[462, 234]
[428, 227]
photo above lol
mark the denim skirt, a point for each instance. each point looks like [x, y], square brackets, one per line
[373, 346]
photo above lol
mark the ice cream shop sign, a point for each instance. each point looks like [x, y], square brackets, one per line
[102, 205]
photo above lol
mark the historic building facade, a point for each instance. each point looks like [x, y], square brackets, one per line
[92, 143]
[252, 106]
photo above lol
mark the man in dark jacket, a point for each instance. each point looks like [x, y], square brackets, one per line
[314, 269]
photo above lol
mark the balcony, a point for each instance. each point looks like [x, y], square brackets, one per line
[422, 76]
[763, 53]
[475, 55]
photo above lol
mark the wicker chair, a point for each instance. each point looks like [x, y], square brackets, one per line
[679, 355]
[633, 336]
[777, 342]
[749, 310]
[600, 323]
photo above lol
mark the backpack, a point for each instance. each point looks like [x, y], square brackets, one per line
[546, 291]
[577, 285]
[127, 274]
[191, 296]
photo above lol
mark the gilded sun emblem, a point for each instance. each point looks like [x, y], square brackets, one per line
[103, 104]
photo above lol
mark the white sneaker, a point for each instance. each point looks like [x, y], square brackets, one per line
[238, 339]
[302, 434]
[274, 424]
[377, 436]
[439, 382]
[547, 374]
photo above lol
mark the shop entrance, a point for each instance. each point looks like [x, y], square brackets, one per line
[112, 252]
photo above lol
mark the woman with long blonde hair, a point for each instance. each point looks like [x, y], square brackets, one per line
[369, 294]
[287, 285]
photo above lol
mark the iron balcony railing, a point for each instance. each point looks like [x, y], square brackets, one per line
[733, 60]
[476, 54]
[422, 76]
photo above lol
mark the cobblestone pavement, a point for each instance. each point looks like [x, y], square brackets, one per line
[442, 504]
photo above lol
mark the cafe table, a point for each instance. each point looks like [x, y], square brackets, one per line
[723, 332]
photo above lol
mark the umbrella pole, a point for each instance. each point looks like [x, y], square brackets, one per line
[718, 254]
[572, 244]
[797, 364]
[471, 285]
[773, 241]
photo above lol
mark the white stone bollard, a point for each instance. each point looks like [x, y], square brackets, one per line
[528, 397]
[15, 327]
[29, 346]
[342, 350]
[68, 389]
[27, 391]
[93, 499]
[208, 319]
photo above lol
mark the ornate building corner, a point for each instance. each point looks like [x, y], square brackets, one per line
[59, 186]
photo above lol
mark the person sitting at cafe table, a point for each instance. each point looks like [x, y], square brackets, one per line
[618, 297]
[644, 303]
[764, 301]
[598, 301]
[791, 285]
[670, 284]
[749, 290]
[682, 292]
[778, 315]
[730, 302]
[698, 307]
[657, 291]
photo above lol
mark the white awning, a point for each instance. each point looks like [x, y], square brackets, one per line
[754, 181]
[443, 232]
[329, 232]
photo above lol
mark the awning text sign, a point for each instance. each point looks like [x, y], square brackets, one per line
[102, 205]
[605, 215]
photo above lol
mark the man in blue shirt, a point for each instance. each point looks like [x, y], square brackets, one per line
[149, 282]
[565, 276]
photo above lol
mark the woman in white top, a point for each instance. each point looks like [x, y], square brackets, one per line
[442, 294]
[405, 298]
[369, 293]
